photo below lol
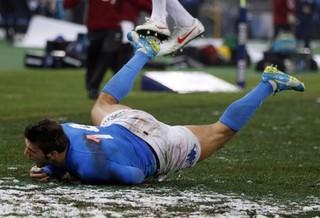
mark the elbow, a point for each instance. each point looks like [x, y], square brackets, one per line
[136, 180]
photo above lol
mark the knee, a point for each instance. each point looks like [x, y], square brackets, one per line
[101, 108]
[106, 99]
[95, 115]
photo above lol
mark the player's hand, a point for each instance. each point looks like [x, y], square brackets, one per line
[37, 174]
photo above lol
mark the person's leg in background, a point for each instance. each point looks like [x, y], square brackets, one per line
[93, 51]
[122, 56]
[105, 57]
[8, 14]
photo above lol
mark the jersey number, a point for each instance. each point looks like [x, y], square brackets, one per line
[96, 138]
[85, 127]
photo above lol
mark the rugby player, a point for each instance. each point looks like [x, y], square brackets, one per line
[129, 146]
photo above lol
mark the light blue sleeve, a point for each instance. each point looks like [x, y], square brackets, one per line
[53, 171]
[112, 173]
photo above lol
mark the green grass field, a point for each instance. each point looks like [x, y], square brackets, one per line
[275, 157]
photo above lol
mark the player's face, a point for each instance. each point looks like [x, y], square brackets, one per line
[34, 153]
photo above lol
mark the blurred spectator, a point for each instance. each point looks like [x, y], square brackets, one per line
[283, 15]
[192, 6]
[316, 31]
[318, 6]
[49, 8]
[15, 15]
[207, 15]
[305, 12]
[46, 8]
[105, 38]
[131, 9]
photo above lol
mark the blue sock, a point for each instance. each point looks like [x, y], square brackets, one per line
[122, 82]
[240, 111]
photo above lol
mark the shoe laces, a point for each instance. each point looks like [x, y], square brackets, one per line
[271, 69]
[154, 45]
[148, 19]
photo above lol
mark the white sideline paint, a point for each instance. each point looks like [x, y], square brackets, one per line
[21, 199]
[42, 29]
[187, 82]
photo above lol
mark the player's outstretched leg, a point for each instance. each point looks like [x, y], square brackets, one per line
[122, 82]
[213, 137]
[239, 112]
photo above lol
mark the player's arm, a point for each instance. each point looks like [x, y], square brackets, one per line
[46, 172]
[36, 174]
[127, 175]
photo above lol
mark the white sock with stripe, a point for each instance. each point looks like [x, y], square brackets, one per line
[159, 12]
[179, 14]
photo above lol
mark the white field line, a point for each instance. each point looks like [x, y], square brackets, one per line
[19, 199]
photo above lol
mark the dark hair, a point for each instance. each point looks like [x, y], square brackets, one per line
[48, 135]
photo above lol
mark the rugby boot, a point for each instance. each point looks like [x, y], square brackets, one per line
[154, 28]
[147, 45]
[180, 37]
[282, 80]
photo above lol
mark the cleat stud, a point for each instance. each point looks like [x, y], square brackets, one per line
[148, 32]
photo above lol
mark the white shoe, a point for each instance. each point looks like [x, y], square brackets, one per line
[154, 27]
[180, 37]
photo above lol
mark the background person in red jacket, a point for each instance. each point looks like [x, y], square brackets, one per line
[283, 15]
[130, 15]
[104, 52]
